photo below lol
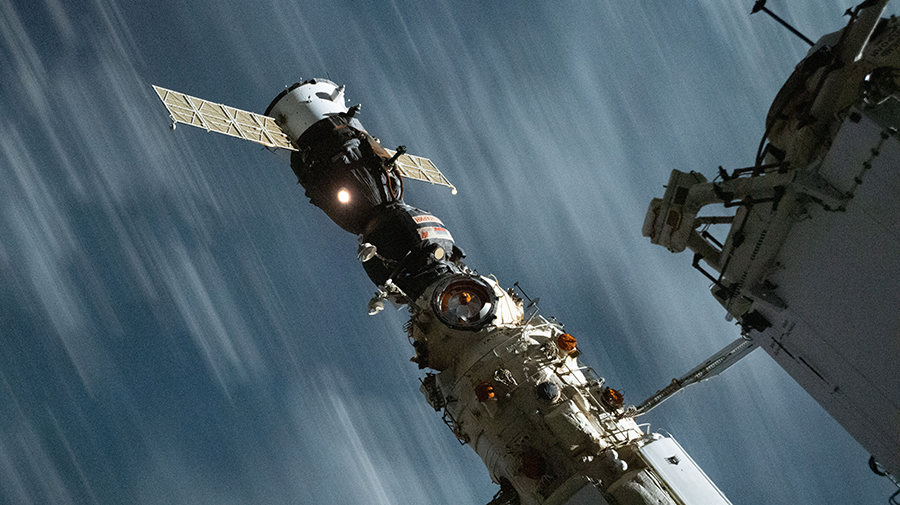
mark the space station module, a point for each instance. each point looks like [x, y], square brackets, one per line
[549, 430]
[807, 258]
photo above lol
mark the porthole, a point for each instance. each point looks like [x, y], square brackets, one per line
[464, 303]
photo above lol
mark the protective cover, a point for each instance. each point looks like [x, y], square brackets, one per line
[300, 106]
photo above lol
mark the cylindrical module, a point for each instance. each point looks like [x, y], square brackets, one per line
[548, 429]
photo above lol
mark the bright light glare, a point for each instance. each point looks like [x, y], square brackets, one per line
[343, 196]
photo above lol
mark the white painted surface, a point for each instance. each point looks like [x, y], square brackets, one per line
[681, 474]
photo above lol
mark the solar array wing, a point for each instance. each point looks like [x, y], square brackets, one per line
[421, 169]
[263, 130]
[223, 119]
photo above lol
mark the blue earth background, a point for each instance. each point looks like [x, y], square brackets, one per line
[178, 325]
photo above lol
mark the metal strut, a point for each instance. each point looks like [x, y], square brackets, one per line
[760, 5]
[715, 365]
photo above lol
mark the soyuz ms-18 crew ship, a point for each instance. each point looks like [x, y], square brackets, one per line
[808, 270]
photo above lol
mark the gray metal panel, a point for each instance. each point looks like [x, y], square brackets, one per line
[223, 119]
[420, 169]
[681, 474]
[839, 335]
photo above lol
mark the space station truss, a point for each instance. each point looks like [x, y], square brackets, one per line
[420, 169]
[223, 119]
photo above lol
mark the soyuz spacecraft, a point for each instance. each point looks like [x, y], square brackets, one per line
[548, 429]
[509, 383]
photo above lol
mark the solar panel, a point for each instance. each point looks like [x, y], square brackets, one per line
[420, 169]
[223, 119]
[264, 130]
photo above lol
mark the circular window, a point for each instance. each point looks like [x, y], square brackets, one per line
[464, 303]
